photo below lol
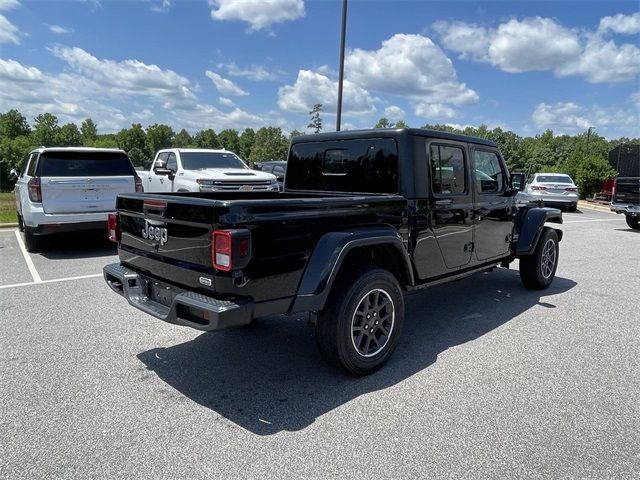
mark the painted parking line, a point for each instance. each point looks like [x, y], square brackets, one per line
[54, 280]
[594, 220]
[27, 258]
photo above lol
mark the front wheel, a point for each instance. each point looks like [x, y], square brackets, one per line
[632, 222]
[362, 322]
[538, 270]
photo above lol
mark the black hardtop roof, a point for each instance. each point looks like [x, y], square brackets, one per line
[390, 133]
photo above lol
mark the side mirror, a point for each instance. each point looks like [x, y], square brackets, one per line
[517, 181]
[280, 178]
[13, 174]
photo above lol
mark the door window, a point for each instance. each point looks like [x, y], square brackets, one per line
[488, 172]
[172, 163]
[161, 162]
[448, 171]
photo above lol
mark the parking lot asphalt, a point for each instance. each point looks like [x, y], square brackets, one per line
[489, 380]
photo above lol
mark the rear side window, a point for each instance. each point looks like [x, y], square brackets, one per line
[448, 171]
[31, 169]
[359, 165]
[82, 164]
[554, 179]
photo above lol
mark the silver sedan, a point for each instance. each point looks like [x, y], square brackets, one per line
[554, 189]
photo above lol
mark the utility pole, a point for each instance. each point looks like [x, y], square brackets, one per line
[589, 135]
[343, 35]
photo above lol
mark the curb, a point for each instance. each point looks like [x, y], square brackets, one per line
[8, 225]
[594, 206]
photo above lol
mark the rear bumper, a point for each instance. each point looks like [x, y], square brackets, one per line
[51, 228]
[626, 208]
[175, 305]
[550, 199]
[34, 216]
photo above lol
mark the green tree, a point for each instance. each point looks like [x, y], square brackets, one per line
[105, 141]
[68, 136]
[207, 139]
[270, 144]
[401, 124]
[230, 140]
[45, 129]
[13, 125]
[89, 131]
[134, 141]
[159, 136]
[383, 123]
[183, 139]
[295, 133]
[247, 139]
[13, 152]
[316, 120]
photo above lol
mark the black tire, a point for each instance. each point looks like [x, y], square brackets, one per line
[32, 242]
[20, 222]
[573, 207]
[538, 270]
[349, 306]
[632, 222]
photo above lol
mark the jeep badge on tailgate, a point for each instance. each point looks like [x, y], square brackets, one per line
[154, 233]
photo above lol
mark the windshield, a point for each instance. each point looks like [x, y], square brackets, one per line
[202, 160]
[554, 179]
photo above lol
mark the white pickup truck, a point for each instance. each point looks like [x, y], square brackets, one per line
[203, 170]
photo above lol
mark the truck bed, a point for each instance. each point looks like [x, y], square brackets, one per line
[285, 227]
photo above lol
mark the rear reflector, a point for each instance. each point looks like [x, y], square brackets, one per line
[113, 227]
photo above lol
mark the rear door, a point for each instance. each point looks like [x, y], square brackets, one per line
[494, 210]
[83, 181]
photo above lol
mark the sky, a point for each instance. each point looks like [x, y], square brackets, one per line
[521, 66]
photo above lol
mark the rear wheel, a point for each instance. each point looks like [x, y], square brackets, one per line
[538, 270]
[573, 207]
[31, 242]
[362, 322]
[632, 222]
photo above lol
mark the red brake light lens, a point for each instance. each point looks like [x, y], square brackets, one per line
[139, 187]
[113, 227]
[35, 190]
[221, 250]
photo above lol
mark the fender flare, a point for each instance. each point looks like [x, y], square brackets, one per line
[530, 223]
[327, 257]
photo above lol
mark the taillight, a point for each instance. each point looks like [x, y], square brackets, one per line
[615, 187]
[139, 187]
[536, 187]
[230, 249]
[35, 190]
[113, 227]
[571, 189]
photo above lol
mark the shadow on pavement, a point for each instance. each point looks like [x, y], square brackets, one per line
[63, 246]
[269, 377]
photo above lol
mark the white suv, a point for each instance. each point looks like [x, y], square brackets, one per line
[69, 189]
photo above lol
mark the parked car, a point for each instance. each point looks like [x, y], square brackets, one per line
[554, 189]
[626, 200]
[70, 189]
[276, 167]
[203, 170]
[365, 217]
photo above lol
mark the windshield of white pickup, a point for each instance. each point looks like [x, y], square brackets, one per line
[202, 160]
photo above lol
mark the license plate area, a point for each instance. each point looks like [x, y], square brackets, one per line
[159, 293]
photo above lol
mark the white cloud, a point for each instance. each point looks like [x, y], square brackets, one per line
[622, 24]
[543, 44]
[162, 6]
[394, 113]
[9, 33]
[257, 13]
[435, 111]
[9, 4]
[568, 117]
[257, 73]
[226, 102]
[224, 85]
[12, 70]
[60, 30]
[311, 88]
[603, 61]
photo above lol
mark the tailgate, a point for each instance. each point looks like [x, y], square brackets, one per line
[169, 237]
[627, 190]
[83, 194]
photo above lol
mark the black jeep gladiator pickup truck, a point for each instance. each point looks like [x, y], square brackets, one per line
[364, 217]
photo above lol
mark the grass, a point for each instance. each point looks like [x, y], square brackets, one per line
[8, 207]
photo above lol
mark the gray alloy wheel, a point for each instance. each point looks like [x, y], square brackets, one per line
[372, 323]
